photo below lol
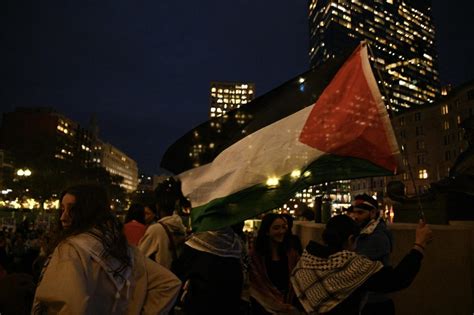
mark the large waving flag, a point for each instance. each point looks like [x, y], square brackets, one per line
[327, 124]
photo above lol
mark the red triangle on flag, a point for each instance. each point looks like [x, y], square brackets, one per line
[347, 121]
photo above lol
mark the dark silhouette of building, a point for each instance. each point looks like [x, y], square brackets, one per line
[43, 133]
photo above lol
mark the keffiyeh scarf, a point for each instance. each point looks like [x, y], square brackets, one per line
[223, 243]
[322, 283]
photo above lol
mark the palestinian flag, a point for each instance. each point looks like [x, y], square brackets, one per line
[328, 124]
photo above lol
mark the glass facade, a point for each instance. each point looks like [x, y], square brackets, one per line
[401, 37]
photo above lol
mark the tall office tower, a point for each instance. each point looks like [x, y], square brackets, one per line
[401, 37]
[226, 96]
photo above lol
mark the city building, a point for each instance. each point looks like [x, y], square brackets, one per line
[43, 133]
[431, 139]
[149, 182]
[117, 162]
[401, 39]
[226, 96]
[223, 97]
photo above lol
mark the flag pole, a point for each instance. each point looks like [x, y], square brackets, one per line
[418, 198]
[421, 212]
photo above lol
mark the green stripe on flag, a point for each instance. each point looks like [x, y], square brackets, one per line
[254, 200]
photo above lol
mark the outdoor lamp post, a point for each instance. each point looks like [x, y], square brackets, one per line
[23, 172]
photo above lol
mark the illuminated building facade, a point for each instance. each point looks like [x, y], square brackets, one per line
[32, 134]
[117, 163]
[430, 139]
[401, 35]
[224, 97]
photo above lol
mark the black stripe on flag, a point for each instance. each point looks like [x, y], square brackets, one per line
[283, 101]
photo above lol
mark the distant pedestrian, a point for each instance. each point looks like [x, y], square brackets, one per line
[151, 215]
[134, 227]
[164, 240]
[93, 270]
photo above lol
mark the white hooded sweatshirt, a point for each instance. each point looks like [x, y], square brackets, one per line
[77, 280]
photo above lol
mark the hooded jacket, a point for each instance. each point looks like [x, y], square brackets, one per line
[78, 280]
[155, 244]
[211, 268]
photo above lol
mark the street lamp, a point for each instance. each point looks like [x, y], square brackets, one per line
[23, 172]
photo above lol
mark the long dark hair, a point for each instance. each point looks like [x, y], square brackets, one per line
[91, 214]
[337, 231]
[135, 212]
[262, 243]
[169, 196]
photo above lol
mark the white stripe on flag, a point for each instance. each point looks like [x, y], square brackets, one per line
[272, 151]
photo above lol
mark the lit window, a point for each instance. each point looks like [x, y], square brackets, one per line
[422, 174]
[444, 109]
[446, 125]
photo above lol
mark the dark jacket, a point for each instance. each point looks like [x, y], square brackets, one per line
[215, 283]
[377, 245]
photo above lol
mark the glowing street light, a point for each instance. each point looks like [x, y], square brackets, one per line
[272, 181]
[296, 174]
[23, 172]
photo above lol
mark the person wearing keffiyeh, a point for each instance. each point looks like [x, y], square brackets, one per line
[211, 270]
[91, 268]
[333, 279]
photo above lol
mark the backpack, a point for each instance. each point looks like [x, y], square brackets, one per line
[176, 241]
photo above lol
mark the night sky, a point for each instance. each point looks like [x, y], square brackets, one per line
[144, 67]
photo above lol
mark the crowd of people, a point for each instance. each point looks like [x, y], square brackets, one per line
[152, 263]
